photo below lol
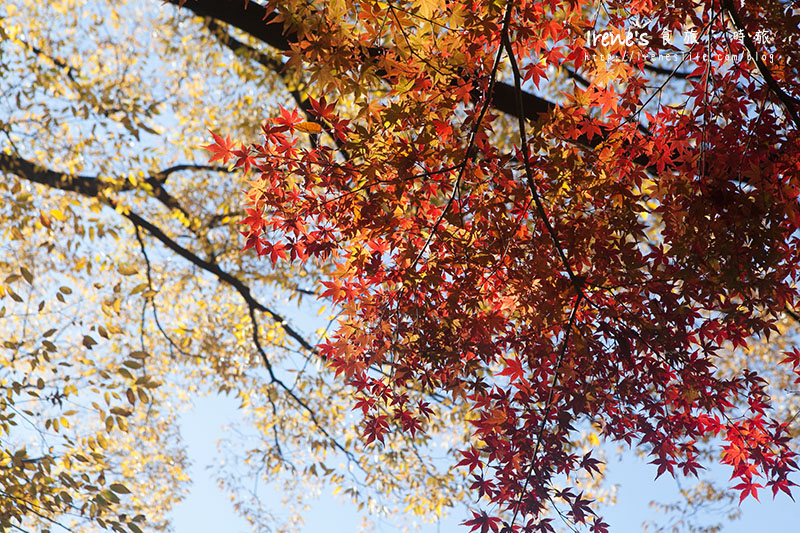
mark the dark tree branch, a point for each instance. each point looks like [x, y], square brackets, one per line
[225, 277]
[91, 187]
[303, 103]
[151, 300]
[256, 21]
[87, 187]
[95, 187]
[162, 175]
[523, 141]
[789, 103]
[158, 180]
[217, 220]
[669, 72]
[239, 47]
[573, 74]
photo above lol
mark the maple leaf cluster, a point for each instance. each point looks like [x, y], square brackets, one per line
[593, 272]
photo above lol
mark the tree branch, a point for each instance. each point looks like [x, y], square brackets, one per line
[788, 102]
[303, 103]
[91, 187]
[255, 20]
[260, 23]
[88, 187]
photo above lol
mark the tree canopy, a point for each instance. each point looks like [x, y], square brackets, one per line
[527, 227]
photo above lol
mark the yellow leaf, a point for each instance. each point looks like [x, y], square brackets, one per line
[27, 275]
[127, 270]
[428, 8]
[308, 127]
[337, 9]
[142, 395]
[45, 220]
[119, 488]
[139, 288]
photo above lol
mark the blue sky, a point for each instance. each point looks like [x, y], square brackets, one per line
[207, 509]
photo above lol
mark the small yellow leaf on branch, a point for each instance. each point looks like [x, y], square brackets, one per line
[127, 270]
[308, 127]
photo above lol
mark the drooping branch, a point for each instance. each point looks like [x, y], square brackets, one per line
[523, 139]
[223, 276]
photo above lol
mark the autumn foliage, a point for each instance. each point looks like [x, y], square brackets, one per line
[486, 245]
[590, 271]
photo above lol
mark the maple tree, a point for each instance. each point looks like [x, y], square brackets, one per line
[592, 272]
[509, 303]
